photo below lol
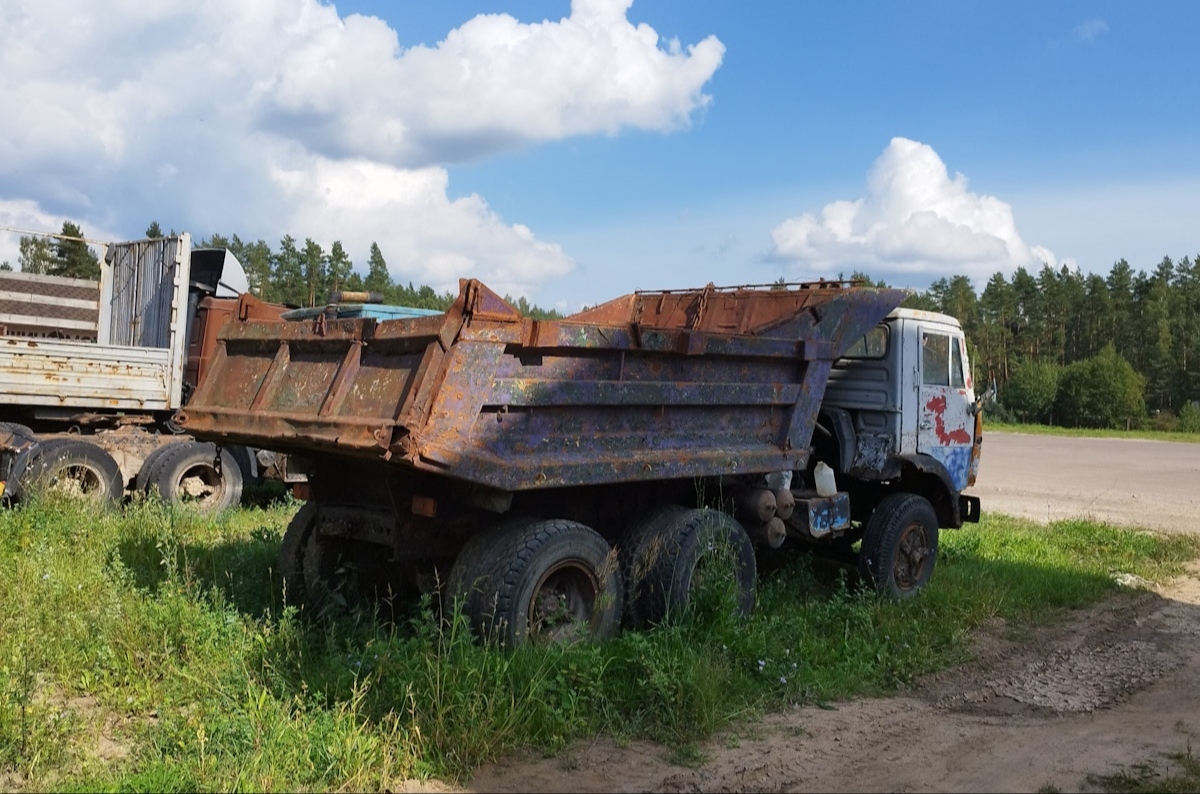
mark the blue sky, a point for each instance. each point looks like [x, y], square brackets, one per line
[585, 157]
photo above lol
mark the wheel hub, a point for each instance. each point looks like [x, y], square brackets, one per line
[911, 554]
[561, 607]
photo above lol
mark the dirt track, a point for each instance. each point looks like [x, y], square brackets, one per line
[1116, 686]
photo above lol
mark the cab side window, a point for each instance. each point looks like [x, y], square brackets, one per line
[957, 377]
[935, 360]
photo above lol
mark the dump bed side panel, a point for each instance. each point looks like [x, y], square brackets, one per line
[482, 395]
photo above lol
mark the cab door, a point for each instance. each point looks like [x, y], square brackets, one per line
[946, 402]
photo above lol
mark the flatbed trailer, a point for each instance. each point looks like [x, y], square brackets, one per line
[91, 373]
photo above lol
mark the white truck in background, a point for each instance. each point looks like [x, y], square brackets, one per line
[92, 372]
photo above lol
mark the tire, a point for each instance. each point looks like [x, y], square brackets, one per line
[141, 482]
[17, 428]
[899, 546]
[469, 573]
[669, 552]
[637, 550]
[188, 476]
[291, 554]
[544, 582]
[242, 456]
[342, 575]
[79, 468]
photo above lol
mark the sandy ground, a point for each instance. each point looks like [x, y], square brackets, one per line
[1116, 686]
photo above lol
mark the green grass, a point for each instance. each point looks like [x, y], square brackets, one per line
[1171, 773]
[164, 634]
[1086, 432]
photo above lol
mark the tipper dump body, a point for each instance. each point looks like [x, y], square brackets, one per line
[652, 385]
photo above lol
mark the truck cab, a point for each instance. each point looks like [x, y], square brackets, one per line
[900, 406]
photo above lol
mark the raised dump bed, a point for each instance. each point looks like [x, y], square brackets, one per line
[653, 385]
[504, 459]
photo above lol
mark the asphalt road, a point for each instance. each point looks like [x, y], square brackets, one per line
[1131, 482]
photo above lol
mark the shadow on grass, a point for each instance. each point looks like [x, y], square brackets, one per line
[244, 571]
[816, 635]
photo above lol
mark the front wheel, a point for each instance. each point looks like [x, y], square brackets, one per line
[899, 546]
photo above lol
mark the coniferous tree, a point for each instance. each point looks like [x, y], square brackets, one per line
[72, 256]
[1186, 324]
[1155, 341]
[1071, 292]
[1028, 319]
[256, 261]
[1121, 309]
[1095, 317]
[287, 274]
[378, 278]
[339, 267]
[314, 273]
[997, 308]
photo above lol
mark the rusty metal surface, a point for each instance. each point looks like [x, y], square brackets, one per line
[211, 316]
[649, 386]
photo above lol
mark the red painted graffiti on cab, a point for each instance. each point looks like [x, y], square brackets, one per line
[938, 407]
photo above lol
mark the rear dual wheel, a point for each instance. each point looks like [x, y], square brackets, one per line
[677, 560]
[539, 581]
[193, 475]
[75, 468]
[333, 575]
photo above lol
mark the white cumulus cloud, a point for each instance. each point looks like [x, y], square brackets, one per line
[455, 239]
[914, 221]
[280, 116]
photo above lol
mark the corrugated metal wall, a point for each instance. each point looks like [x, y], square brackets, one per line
[143, 275]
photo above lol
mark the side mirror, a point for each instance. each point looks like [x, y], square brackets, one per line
[988, 396]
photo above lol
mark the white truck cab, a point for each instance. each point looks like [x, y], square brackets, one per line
[900, 406]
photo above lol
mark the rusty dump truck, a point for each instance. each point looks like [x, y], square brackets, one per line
[568, 476]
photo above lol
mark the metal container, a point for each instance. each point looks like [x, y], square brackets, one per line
[649, 386]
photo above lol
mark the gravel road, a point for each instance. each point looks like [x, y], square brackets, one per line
[1151, 484]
